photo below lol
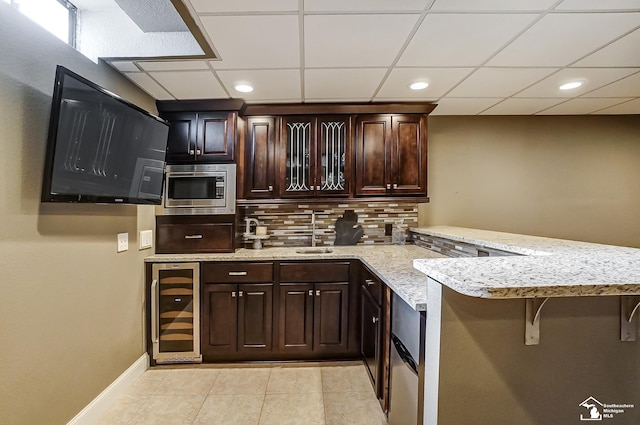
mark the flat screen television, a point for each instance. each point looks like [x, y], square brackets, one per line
[101, 148]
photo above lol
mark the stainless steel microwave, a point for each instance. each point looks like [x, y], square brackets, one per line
[200, 189]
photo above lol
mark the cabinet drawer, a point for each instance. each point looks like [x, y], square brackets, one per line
[194, 238]
[314, 272]
[237, 272]
[373, 285]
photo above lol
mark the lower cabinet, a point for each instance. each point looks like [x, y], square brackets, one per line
[237, 319]
[237, 310]
[374, 333]
[314, 317]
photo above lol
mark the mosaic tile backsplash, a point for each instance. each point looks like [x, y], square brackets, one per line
[290, 224]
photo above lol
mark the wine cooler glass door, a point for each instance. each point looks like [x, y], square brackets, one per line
[175, 316]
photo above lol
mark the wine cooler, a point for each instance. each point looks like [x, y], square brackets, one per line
[175, 313]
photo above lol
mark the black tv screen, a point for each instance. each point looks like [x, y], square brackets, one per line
[101, 148]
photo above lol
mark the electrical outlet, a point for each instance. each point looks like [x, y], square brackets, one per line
[146, 239]
[123, 242]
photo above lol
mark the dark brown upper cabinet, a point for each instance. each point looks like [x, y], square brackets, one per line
[315, 156]
[260, 157]
[204, 137]
[391, 155]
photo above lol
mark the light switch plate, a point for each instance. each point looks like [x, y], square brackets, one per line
[146, 239]
[123, 242]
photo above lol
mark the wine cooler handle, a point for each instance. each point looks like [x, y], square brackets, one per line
[154, 311]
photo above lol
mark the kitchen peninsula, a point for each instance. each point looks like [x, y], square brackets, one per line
[497, 333]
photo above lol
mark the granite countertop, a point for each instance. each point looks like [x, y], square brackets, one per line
[393, 264]
[547, 267]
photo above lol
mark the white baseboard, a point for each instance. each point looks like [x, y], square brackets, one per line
[106, 398]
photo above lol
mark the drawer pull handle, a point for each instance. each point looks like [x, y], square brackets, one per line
[193, 236]
[237, 273]
[369, 282]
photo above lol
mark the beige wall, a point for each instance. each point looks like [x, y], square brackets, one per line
[71, 308]
[574, 177]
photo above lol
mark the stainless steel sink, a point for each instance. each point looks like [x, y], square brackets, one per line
[314, 250]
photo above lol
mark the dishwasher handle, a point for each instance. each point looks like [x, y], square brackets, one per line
[404, 354]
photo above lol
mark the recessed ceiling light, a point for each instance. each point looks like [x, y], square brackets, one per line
[243, 88]
[571, 85]
[419, 85]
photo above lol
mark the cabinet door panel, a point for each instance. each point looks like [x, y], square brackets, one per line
[370, 336]
[331, 313]
[372, 155]
[296, 318]
[181, 143]
[219, 314]
[296, 157]
[333, 164]
[216, 136]
[255, 317]
[409, 162]
[260, 159]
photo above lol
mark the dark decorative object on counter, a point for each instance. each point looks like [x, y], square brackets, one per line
[348, 231]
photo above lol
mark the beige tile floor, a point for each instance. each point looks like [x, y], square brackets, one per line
[280, 394]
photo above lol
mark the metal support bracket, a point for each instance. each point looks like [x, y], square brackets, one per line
[532, 320]
[629, 305]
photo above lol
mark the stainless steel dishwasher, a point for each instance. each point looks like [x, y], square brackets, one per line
[407, 349]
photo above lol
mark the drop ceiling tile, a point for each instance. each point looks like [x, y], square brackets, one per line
[173, 65]
[581, 106]
[631, 107]
[521, 106]
[342, 84]
[492, 5]
[440, 80]
[627, 87]
[599, 5]
[593, 78]
[363, 5]
[623, 52]
[276, 84]
[148, 84]
[504, 82]
[125, 66]
[461, 39]
[216, 6]
[355, 40]
[463, 106]
[190, 84]
[560, 39]
[267, 41]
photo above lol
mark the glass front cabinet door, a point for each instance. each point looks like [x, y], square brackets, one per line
[175, 312]
[316, 156]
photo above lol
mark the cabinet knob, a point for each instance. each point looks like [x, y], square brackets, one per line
[317, 292]
[369, 282]
[395, 185]
[311, 292]
[374, 320]
[191, 152]
[239, 293]
[198, 152]
[388, 186]
[270, 188]
[233, 294]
